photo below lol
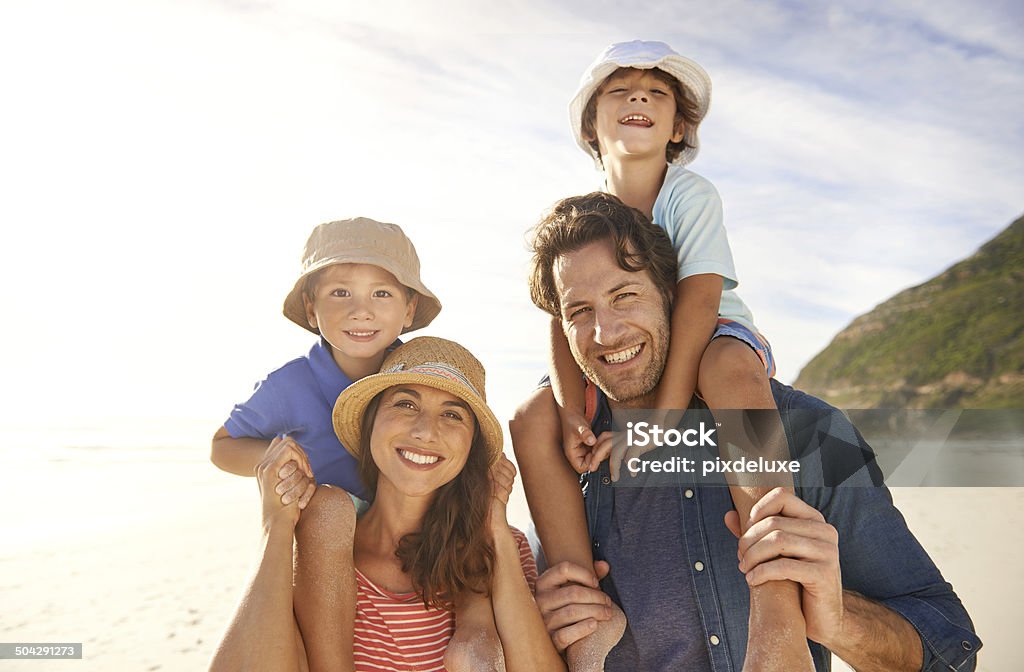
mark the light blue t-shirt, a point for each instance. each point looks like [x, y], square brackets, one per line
[689, 209]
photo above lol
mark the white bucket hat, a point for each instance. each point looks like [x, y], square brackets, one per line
[642, 55]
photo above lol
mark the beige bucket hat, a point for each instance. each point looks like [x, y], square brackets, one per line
[425, 360]
[642, 55]
[362, 241]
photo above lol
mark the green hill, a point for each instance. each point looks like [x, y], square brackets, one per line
[956, 341]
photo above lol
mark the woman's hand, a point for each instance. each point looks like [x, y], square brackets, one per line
[503, 477]
[286, 482]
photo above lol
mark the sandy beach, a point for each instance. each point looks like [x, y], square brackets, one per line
[142, 557]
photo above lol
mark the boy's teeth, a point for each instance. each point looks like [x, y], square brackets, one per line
[419, 459]
[622, 355]
[361, 333]
[637, 117]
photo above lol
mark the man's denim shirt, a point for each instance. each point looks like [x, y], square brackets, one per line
[878, 555]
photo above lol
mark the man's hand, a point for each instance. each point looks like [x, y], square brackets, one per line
[787, 539]
[570, 601]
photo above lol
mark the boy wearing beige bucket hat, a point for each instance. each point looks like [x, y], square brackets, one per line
[636, 112]
[358, 289]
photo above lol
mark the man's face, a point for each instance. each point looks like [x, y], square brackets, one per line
[616, 322]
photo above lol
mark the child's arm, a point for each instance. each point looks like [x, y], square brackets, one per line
[568, 388]
[243, 455]
[694, 316]
[237, 456]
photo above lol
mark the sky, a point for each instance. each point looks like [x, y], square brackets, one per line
[163, 162]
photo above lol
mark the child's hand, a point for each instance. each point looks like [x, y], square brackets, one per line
[578, 440]
[283, 457]
[612, 446]
[503, 477]
[296, 476]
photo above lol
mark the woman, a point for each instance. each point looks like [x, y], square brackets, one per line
[435, 539]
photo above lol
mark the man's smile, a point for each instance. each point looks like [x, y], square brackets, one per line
[622, 356]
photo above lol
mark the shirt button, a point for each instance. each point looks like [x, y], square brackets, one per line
[688, 494]
[699, 566]
[605, 480]
[715, 641]
[967, 645]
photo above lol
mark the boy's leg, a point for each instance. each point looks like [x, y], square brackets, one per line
[475, 646]
[556, 505]
[325, 581]
[732, 376]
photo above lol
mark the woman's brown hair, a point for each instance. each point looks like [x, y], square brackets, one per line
[452, 552]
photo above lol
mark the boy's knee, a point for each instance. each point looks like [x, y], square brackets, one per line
[733, 363]
[330, 509]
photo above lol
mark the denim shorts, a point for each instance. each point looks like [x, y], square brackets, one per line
[759, 343]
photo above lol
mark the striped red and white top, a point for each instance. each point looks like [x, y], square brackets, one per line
[395, 633]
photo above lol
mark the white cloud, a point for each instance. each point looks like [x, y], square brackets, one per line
[166, 161]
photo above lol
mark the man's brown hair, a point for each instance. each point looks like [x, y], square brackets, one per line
[577, 221]
[686, 112]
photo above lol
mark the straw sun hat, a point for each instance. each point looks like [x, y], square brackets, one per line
[426, 360]
[362, 241]
[642, 55]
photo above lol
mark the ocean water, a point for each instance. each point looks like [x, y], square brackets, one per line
[66, 484]
[70, 482]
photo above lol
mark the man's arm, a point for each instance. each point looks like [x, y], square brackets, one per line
[789, 539]
[874, 638]
[881, 559]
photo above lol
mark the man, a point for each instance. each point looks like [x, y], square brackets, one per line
[870, 593]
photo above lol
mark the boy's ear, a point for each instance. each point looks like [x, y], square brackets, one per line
[310, 313]
[680, 131]
[410, 309]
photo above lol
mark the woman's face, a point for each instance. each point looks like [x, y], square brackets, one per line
[421, 438]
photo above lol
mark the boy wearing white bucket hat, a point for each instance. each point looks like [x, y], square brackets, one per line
[636, 113]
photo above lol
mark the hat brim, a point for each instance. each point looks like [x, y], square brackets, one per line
[692, 77]
[351, 404]
[427, 306]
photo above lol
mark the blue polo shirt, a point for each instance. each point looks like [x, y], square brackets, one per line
[297, 400]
